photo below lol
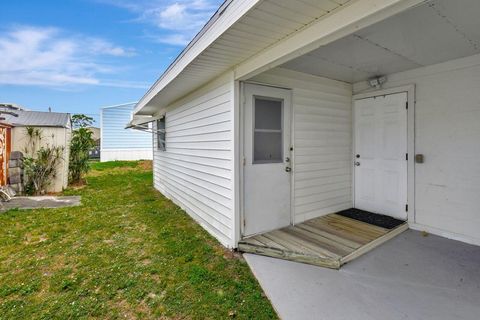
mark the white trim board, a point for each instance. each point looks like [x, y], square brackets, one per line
[119, 105]
[410, 90]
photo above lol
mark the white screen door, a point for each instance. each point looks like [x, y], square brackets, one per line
[381, 155]
[267, 158]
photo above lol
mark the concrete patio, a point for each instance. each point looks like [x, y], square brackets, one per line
[40, 202]
[413, 276]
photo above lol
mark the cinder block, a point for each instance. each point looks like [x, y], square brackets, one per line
[15, 179]
[15, 172]
[15, 163]
[17, 187]
[15, 155]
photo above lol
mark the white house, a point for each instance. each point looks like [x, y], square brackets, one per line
[119, 143]
[282, 111]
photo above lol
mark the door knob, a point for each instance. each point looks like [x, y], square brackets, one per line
[288, 169]
[357, 163]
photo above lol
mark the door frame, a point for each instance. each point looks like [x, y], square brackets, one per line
[241, 154]
[411, 100]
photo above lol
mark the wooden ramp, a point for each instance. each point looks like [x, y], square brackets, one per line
[329, 241]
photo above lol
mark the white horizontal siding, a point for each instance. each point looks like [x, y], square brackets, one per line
[195, 171]
[125, 154]
[118, 139]
[322, 131]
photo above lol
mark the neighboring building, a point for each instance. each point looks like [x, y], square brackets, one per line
[119, 143]
[96, 134]
[274, 115]
[94, 153]
[56, 130]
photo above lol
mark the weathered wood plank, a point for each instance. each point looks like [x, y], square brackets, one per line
[253, 241]
[358, 224]
[352, 226]
[343, 231]
[327, 241]
[333, 237]
[297, 246]
[375, 243]
[337, 232]
[270, 243]
[322, 241]
[303, 236]
[292, 256]
[319, 250]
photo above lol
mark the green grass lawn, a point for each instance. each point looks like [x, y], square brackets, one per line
[126, 253]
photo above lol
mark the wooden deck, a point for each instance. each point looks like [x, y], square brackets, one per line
[329, 241]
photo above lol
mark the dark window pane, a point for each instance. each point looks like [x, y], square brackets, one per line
[268, 114]
[267, 147]
[161, 134]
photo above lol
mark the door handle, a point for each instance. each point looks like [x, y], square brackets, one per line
[288, 169]
[357, 163]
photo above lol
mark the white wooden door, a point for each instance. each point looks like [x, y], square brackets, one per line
[381, 155]
[267, 114]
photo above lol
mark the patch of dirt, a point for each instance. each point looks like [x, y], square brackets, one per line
[53, 193]
[156, 278]
[145, 164]
[125, 309]
[35, 239]
[232, 255]
[79, 184]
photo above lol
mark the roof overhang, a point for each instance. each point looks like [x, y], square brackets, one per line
[251, 36]
[139, 121]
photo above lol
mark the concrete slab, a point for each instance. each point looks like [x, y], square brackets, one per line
[40, 202]
[409, 277]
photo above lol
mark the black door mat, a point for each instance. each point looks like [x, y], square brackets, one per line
[379, 220]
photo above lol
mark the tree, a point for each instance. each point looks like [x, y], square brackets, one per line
[81, 121]
[80, 144]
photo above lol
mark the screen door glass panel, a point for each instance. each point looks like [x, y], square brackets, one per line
[268, 130]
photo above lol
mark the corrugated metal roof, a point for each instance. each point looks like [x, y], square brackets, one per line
[38, 119]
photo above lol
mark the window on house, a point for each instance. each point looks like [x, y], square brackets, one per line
[161, 143]
[268, 130]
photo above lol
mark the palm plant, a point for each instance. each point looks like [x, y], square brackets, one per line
[80, 144]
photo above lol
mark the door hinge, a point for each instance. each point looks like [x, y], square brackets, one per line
[244, 161]
[406, 105]
[406, 156]
[244, 223]
[406, 207]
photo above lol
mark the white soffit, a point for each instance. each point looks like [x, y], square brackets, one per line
[437, 31]
[269, 22]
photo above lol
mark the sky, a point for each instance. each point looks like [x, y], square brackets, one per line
[79, 55]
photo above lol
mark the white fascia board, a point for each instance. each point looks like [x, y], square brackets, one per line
[222, 79]
[340, 23]
[235, 10]
[119, 105]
